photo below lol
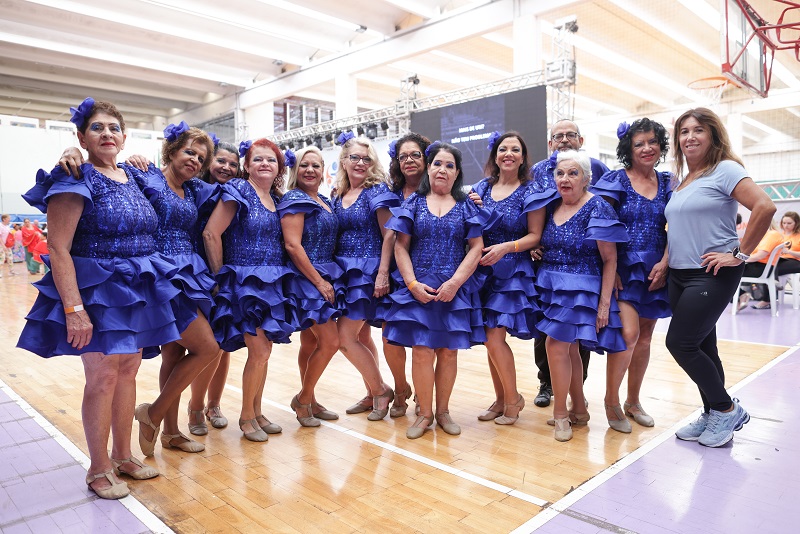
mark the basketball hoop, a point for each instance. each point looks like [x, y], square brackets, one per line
[709, 90]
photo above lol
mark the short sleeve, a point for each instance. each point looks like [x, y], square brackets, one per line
[478, 220]
[402, 219]
[770, 240]
[730, 174]
[481, 187]
[603, 223]
[152, 182]
[381, 197]
[205, 195]
[296, 201]
[611, 186]
[230, 192]
[57, 181]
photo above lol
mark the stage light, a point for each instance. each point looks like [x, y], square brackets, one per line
[372, 130]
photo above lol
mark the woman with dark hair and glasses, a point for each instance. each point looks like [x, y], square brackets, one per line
[508, 297]
[361, 202]
[639, 195]
[438, 311]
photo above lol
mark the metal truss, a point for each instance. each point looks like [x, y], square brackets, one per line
[785, 190]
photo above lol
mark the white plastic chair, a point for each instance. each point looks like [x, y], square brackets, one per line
[795, 282]
[768, 278]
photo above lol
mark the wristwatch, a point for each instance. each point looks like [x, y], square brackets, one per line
[739, 254]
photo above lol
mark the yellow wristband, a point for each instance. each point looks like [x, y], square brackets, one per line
[74, 309]
[411, 285]
[516, 246]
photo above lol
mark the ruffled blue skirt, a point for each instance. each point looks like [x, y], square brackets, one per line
[354, 289]
[195, 284]
[509, 297]
[128, 301]
[569, 311]
[457, 324]
[252, 297]
[306, 302]
[633, 269]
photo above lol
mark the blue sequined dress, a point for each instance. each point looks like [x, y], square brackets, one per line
[570, 276]
[509, 296]
[646, 225]
[254, 273]
[358, 251]
[319, 241]
[438, 246]
[176, 238]
[122, 280]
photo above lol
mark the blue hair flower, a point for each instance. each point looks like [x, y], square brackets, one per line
[622, 129]
[344, 137]
[173, 131]
[554, 157]
[290, 158]
[244, 146]
[214, 139]
[493, 139]
[393, 149]
[432, 148]
[82, 112]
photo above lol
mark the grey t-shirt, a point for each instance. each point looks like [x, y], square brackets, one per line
[702, 216]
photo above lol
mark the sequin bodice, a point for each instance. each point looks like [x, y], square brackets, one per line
[566, 248]
[511, 225]
[320, 228]
[438, 244]
[542, 174]
[121, 224]
[254, 238]
[359, 233]
[643, 218]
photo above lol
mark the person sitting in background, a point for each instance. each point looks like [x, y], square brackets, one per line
[754, 266]
[789, 261]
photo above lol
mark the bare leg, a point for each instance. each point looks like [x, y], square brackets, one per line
[101, 374]
[639, 361]
[122, 409]
[576, 377]
[561, 372]
[200, 386]
[422, 373]
[617, 363]
[359, 355]
[502, 367]
[326, 345]
[396, 359]
[254, 375]
[171, 354]
[308, 343]
[217, 385]
[445, 377]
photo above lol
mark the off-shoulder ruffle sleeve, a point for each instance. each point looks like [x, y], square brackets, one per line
[611, 186]
[57, 181]
[479, 220]
[296, 201]
[230, 191]
[481, 187]
[205, 195]
[603, 223]
[381, 197]
[151, 181]
[539, 198]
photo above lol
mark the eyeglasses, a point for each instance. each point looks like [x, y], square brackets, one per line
[413, 155]
[569, 135]
[355, 158]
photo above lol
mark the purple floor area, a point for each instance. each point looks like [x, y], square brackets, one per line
[40, 483]
[749, 485]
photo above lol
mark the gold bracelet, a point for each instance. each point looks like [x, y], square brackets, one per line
[73, 309]
[411, 285]
[516, 246]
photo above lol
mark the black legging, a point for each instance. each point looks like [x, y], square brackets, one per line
[698, 299]
[787, 266]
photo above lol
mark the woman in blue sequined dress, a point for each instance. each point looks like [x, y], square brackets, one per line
[639, 194]
[361, 203]
[508, 297]
[245, 251]
[107, 295]
[309, 233]
[575, 282]
[405, 173]
[177, 196]
[224, 166]
[436, 310]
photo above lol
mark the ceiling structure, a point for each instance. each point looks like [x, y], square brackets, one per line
[160, 59]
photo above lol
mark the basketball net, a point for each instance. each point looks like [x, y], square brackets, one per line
[709, 90]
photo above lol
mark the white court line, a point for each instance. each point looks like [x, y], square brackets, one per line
[603, 476]
[416, 457]
[153, 523]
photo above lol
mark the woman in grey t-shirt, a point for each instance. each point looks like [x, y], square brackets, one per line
[705, 262]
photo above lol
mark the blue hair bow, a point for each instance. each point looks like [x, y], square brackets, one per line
[82, 112]
[173, 131]
[493, 139]
[344, 137]
[622, 129]
[244, 146]
[290, 158]
[393, 149]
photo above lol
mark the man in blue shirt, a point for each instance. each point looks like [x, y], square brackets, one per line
[564, 135]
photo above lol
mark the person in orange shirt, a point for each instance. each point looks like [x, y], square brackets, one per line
[754, 266]
[789, 261]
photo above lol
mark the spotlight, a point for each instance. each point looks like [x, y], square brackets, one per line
[384, 125]
[291, 145]
[282, 146]
[309, 141]
[318, 142]
[372, 130]
[360, 130]
[329, 137]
